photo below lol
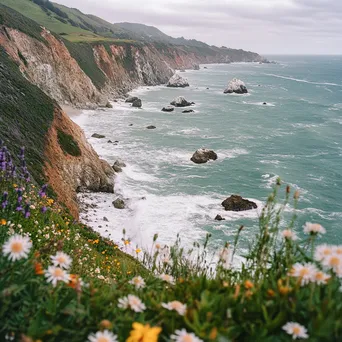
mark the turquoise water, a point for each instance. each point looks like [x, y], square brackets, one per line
[297, 136]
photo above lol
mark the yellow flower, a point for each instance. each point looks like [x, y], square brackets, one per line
[50, 201]
[248, 284]
[143, 333]
[127, 242]
[138, 250]
[3, 222]
[15, 185]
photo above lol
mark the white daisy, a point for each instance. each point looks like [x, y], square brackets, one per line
[17, 247]
[184, 336]
[132, 302]
[138, 282]
[320, 278]
[313, 228]
[296, 330]
[337, 249]
[322, 251]
[176, 306]
[289, 234]
[62, 260]
[103, 336]
[304, 272]
[167, 278]
[55, 274]
[333, 262]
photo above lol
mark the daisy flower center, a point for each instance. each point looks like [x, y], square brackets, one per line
[61, 259]
[187, 338]
[296, 330]
[102, 339]
[17, 247]
[303, 272]
[334, 261]
[58, 272]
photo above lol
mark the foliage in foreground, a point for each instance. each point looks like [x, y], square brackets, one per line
[59, 281]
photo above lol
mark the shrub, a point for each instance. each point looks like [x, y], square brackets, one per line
[68, 144]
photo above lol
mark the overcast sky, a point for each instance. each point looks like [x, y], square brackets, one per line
[264, 26]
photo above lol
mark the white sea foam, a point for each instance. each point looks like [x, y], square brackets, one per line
[304, 81]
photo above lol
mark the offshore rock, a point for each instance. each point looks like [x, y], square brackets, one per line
[196, 67]
[219, 218]
[181, 102]
[236, 86]
[98, 136]
[203, 155]
[237, 203]
[168, 109]
[137, 103]
[151, 127]
[188, 111]
[177, 81]
[131, 99]
[119, 203]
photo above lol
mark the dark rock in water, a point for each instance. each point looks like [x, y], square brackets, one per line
[219, 218]
[151, 127]
[203, 155]
[168, 109]
[115, 100]
[105, 219]
[196, 67]
[131, 99]
[98, 136]
[237, 203]
[264, 103]
[116, 141]
[120, 163]
[117, 168]
[207, 88]
[188, 111]
[177, 81]
[205, 68]
[119, 203]
[137, 103]
[181, 102]
[236, 86]
[110, 142]
[109, 105]
[143, 198]
[130, 125]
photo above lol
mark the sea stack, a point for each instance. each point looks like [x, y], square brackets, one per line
[177, 81]
[236, 86]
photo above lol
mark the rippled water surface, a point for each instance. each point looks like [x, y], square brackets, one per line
[297, 136]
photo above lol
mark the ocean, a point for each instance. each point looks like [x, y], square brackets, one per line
[297, 136]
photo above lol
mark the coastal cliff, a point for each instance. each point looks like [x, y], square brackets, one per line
[40, 69]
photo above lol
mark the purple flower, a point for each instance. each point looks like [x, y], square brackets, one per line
[19, 208]
[42, 191]
[44, 210]
[27, 211]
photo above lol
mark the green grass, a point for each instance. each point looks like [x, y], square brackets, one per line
[68, 144]
[26, 115]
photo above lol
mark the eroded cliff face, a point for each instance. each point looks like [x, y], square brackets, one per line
[51, 68]
[66, 173]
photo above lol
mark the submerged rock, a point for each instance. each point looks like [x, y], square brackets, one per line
[264, 103]
[137, 103]
[151, 127]
[188, 111]
[168, 109]
[131, 99]
[98, 136]
[119, 203]
[177, 81]
[236, 86]
[203, 155]
[237, 203]
[181, 102]
[219, 218]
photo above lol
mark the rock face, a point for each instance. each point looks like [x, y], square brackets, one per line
[98, 136]
[151, 127]
[119, 203]
[168, 109]
[203, 155]
[236, 86]
[177, 81]
[137, 103]
[67, 174]
[237, 203]
[131, 99]
[181, 102]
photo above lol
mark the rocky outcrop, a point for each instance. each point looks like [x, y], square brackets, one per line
[177, 81]
[168, 109]
[219, 218]
[180, 101]
[137, 103]
[68, 174]
[196, 67]
[236, 86]
[119, 203]
[188, 111]
[237, 203]
[131, 99]
[98, 136]
[151, 127]
[203, 155]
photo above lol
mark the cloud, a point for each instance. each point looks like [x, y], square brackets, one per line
[265, 26]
